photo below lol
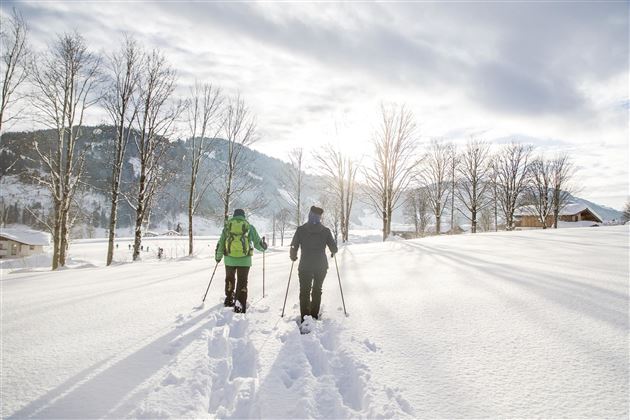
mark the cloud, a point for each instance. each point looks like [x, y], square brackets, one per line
[532, 61]
[555, 71]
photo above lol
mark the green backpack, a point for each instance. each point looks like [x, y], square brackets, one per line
[237, 238]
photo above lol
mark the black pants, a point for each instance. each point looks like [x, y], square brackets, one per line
[311, 291]
[241, 285]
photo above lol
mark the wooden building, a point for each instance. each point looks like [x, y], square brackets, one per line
[572, 213]
[18, 243]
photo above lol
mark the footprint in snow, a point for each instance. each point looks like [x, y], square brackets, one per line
[371, 346]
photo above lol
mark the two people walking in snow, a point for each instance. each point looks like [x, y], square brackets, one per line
[237, 242]
[312, 238]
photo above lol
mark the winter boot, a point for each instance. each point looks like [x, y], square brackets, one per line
[229, 301]
[238, 307]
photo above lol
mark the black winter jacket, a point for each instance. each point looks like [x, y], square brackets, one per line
[312, 238]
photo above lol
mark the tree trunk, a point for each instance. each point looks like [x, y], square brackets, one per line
[438, 222]
[113, 216]
[473, 226]
[139, 218]
[137, 236]
[56, 238]
[496, 209]
[63, 238]
[384, 226]
[190, 215]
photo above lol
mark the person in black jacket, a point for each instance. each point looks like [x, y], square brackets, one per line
[312, 237]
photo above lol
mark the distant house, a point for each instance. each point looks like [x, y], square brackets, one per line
[150, 234]
[172, 233]
[17, 243]
[576, 213]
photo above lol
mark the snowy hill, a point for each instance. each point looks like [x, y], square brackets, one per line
[268, 174]
[510, 324]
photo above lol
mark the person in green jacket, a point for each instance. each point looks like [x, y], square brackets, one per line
[235, 244]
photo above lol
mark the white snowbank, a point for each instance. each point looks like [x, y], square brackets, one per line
[509, 324]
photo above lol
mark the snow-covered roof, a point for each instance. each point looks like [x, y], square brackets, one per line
[568, 210]
[575, 208]
[26, 236]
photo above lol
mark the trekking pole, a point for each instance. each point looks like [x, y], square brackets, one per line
[340, 289]
[287, 294]
[211, 277]
[264, 252]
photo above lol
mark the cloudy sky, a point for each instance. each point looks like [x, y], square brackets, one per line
[554, 74]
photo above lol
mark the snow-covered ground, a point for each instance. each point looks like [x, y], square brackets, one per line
[520, 324]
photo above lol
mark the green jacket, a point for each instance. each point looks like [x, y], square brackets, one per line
[237, 261]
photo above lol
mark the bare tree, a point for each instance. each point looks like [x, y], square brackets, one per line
[274, 220]
[13, 35]
[283, 223]
[494, 191]
[473, 191]
[352, 167]
[124, 76]
[65, 78]
[340, 172]
[296, 181]
[239, 130]
[332, 213]
[454, 162]
[511, 168]
[153, 123]
[394, 160]
[485, 219]
[418, 209]
[562, 172]
[540, 189]
[204, 117]
[434, 173]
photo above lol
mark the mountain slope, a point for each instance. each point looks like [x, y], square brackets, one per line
[268, 175]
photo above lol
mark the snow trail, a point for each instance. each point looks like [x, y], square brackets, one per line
[313, 376]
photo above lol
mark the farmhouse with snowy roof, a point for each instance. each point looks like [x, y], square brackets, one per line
[574, 214]
[16, 243]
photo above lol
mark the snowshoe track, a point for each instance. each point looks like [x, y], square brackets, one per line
[313, 375]
[219, 371]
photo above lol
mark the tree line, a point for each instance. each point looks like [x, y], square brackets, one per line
[136, 87]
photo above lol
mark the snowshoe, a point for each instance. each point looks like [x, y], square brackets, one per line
[307, 325]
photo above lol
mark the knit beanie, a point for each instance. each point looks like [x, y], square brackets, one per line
[239, 212]
[315, 215]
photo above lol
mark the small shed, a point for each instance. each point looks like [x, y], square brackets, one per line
[526, 216]
[171, 233]
[17, 243]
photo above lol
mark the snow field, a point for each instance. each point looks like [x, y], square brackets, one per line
[520, 324]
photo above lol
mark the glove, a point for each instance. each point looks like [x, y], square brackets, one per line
[218, 260]
[263, 244]
[293, 258]
[332, 255]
